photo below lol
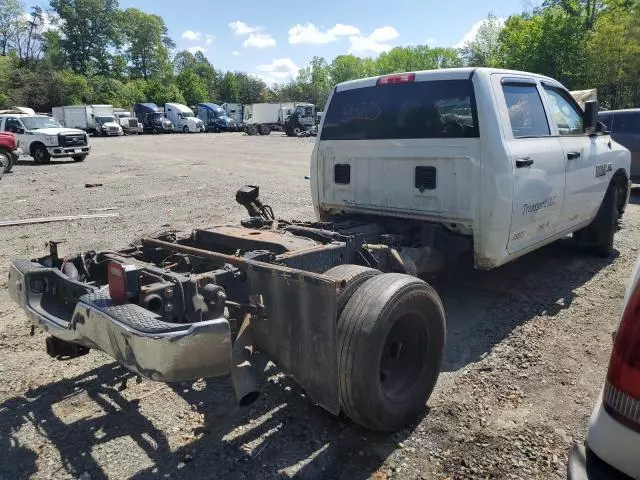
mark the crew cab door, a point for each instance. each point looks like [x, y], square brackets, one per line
[536, 160]
[585, 184]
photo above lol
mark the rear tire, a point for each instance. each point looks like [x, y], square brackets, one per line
[391, 337]
[353, 276]
[600, 233]
[7, 160]
[264, 130]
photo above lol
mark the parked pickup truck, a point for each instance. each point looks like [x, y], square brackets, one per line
[9, 151]
[43, 138]
[409, 173]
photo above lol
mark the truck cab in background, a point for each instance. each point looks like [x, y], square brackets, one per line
[183, 119]
[215, 118]
[128, 122]
[43, 138]
[235, 112]
[152, 118]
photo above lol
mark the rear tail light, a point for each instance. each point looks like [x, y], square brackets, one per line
[123, 282]
[396, 79]
[621, 395]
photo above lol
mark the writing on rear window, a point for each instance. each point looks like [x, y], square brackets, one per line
[435, 109]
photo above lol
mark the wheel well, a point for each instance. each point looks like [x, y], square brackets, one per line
[34, 145]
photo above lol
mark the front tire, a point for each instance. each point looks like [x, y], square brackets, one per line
[264, 130]
[391, 337]
[41, 155]
[185, 129]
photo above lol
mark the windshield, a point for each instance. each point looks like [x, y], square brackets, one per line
[187, 114]
[36, 123]
[105, 119]
[432, 109]
[157, 115]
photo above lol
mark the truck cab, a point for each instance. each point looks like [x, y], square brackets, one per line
[152, 118]
[183, 119]
[215, 118]
[501, 161]
[128, 122]
[42, 137]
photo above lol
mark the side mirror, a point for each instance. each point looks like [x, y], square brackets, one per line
[590, 118]
[19, 131]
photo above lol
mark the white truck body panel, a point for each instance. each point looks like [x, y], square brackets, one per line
[479, 189]
[183, 118]
[74, 116]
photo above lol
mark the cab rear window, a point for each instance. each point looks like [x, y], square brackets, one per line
[432, 109]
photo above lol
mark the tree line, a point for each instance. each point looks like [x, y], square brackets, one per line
[91, 51]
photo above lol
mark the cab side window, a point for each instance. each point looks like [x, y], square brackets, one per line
[526, 112]
[564, 113]
[12, 125]
[627, 122]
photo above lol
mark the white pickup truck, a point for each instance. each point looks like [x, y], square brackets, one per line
[505, 160]
[410, 172]
[42, 137]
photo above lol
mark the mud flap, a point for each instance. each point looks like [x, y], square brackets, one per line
[299, 331]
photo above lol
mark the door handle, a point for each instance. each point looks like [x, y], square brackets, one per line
[573, 155]
[524, 162]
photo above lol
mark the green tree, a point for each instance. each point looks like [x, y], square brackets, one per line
[89, 33]
[132, 92]
[482, 51]
[192, 87]
[183, 60]
[10, 13]
[147, 44]
[161, 93]
[229, 90]
[105, 90]
[549, 42]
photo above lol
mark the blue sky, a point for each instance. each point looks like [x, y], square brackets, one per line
[272, 39]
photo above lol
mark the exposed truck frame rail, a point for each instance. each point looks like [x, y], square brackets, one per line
[312, 296]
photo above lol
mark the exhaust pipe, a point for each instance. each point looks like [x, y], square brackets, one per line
[242, 374]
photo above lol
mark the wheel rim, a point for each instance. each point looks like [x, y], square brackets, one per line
[297, 130]
[185, 129]
[403, 357]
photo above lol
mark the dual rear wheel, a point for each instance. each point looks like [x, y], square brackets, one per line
[391, 336]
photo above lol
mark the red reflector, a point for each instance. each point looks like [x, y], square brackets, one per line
[624, 366]
[123, 281]
[396, 79]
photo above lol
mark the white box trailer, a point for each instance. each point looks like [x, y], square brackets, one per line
[95, 119]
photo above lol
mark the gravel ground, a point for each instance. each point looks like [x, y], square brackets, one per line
[527, 344]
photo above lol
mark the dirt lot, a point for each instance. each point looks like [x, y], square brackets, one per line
[527, 344]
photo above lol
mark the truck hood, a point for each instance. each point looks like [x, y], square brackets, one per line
[110, 124]
[56, 131]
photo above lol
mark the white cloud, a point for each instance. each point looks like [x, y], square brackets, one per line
[281, 69]
[431, 41]
[241, 28]
[191, 35]
[375, 42]
[235, 53]
[309, 33]
[384, 34]
[473, 32]
[194, 50]
[259, 40]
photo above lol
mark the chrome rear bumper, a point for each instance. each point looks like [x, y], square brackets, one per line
[132, 335]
